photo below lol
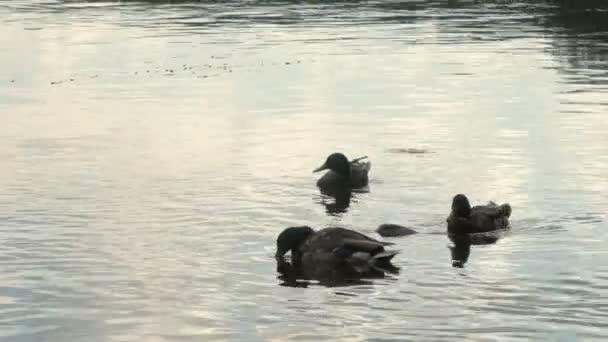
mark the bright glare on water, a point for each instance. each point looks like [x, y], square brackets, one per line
[152, 151]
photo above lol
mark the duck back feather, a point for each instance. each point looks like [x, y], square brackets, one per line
[340, 252]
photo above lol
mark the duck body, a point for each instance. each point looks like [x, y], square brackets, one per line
[343, 174]
[335, 253]
[465, 219]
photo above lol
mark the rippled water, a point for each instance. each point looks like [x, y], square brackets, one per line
[152, 151]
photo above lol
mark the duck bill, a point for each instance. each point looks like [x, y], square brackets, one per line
[320, 168]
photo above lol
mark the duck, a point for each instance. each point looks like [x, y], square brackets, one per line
[464, 219]
[343, 174]
[335, 253]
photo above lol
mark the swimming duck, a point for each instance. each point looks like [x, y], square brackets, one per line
[465, 219]
[334, 253]
[342, 173]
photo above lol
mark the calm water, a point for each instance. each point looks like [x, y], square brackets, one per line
[151, 153]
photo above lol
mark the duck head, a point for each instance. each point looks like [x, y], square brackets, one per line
[291, 238]
[461, 206]
[336, 162]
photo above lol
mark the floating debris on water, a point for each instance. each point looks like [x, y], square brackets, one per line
[223, 68]
[408, 150]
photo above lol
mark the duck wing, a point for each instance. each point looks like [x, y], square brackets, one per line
[361, 166]
[347, 234]
[342, 243]
[333, 251]
[359, 173]
[492, 210]
[332, 181]
[367, 246]
[490, 217]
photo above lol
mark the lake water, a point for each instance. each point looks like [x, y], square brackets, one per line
[152, 151]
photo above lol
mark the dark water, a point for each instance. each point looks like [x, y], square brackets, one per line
[151, 152]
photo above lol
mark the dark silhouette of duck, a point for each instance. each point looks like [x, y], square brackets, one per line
[334, 254]
[465, 219]
[394, 230]
[343, 174]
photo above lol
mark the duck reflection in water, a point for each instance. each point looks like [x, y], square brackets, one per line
[292, 275]
[336, 202]
[460, 254]
[460, 247]
[331, 256]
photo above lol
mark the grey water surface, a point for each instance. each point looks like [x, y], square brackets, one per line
[151, 151]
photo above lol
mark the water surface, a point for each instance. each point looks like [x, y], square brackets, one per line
[152, 151]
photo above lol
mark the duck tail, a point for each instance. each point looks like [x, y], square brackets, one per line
[363, 262]
[383, 259]
[367, 165]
